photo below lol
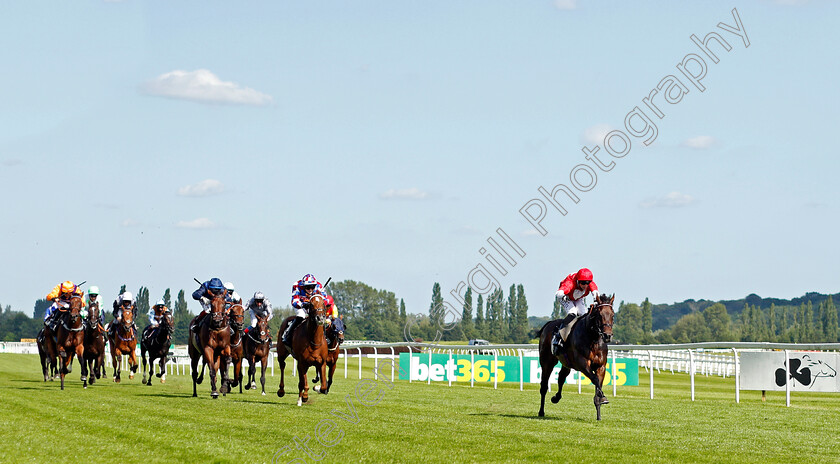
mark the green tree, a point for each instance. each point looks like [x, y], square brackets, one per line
[480, 329]
[519, 332]
[647, 322]
[627, 326]
[403, 315]
[436, 307]
[510, 314]
[718, 322]
[167, 299]
[558, 308]
[370, 313]
[40, 309]
[832, 332]
[691, 328]
[467, 324]
[181, 317]
[142, 302]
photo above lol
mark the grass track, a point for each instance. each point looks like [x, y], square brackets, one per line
[414, 422]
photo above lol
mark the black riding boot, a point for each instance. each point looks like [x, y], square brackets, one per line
[558, 341]
[290, 330]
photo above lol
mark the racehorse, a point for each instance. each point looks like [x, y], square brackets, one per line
[335, 335]
[156, 341]
[585, 351]
[123, 341]
[94, 344]
[309, 348]
[48, 353]
[257, 347]
[70, 340]
[210, 343]
[236, 313]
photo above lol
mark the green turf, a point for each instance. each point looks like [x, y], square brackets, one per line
[414, 423]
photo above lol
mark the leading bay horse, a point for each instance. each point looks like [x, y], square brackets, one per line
[585, 351]
[156, 341]
[210, 343]
[309, 348]
[123, 339]
[70, 339]
[94, 344]
[257, 347]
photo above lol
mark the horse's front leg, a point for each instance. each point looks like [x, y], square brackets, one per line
[225, 361]
[547, 363]
[303, 384]
[212, 364]
[561, 380]
[263, 363]
[322, 370]
[281, 360]
[80, 353]
[330, 374]
[597, 378]
[132, 363]
[162, 373]
[62, 366]
[116, 363]
[143, 359]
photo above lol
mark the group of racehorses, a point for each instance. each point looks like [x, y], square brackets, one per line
[218, 341]
[75, 336]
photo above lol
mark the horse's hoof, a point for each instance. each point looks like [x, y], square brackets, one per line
[555, 399]
[116, 380]
[195, 395]
[214, 395]
[281, 393]
[541, 414]
[158, 374]
[143, 381]
[263, 393]
[300, 402]
[316, 388]
[161, 381]
[130, 376]
[199, 380]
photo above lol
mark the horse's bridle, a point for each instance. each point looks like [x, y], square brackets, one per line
[601, 326]
[69, 315]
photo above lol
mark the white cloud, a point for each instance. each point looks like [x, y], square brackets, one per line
[565, 4]
[203, 86]
[404, 194]
[129, 223]
[595, 134]
[200, 223]
[701, 142]
[202, 189]
[671, 200]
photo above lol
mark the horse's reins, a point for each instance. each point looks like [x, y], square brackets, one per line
[601, 327]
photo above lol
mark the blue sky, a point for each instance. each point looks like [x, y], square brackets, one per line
[150, 143]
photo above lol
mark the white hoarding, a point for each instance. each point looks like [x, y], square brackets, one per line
[809, 371]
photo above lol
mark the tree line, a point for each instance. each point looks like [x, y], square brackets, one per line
[803, 323]
[377, 314]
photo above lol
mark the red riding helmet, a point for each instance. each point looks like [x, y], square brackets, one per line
[329, 300]
[584, 274]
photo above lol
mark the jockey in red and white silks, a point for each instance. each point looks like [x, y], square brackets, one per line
[574, 288]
